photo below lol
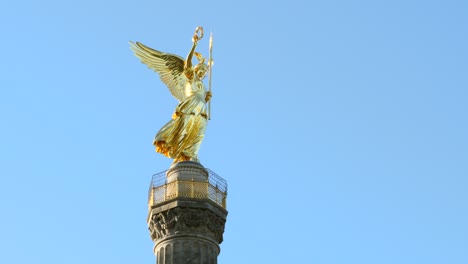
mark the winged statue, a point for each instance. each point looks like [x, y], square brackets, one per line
[181, 137]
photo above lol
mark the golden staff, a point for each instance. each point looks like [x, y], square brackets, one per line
[211, 72]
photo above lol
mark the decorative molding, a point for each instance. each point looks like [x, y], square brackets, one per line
[184, 220]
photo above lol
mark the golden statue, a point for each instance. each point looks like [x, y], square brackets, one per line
[181, 137]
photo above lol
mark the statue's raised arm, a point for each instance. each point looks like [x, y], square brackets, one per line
[181, 137]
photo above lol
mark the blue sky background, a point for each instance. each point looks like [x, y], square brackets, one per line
[340, 126]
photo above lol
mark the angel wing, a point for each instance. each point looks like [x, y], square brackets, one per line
[170, 68]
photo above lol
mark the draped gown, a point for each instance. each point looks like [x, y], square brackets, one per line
[181, 137]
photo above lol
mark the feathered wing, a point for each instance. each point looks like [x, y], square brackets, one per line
[170, 68]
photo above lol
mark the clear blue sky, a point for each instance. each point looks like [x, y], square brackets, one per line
[340, 126]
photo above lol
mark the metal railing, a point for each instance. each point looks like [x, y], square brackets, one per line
[214, 189]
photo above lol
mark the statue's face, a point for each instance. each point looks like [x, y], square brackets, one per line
[201, 72]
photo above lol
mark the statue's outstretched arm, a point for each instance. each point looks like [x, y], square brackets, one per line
[188, 62]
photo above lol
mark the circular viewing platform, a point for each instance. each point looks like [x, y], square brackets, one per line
[187, 180]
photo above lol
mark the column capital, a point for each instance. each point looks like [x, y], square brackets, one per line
[186, 221]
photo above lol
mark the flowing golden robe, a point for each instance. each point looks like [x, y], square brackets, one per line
[181, 137]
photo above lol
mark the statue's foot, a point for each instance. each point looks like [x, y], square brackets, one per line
[185, 158]
[182, 157]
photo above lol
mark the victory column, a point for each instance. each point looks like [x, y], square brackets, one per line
[187, 203]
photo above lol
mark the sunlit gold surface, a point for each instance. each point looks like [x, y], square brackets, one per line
[181, 137]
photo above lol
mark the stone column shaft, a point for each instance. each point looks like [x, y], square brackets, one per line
[187, 229]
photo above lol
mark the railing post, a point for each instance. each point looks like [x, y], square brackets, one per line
[192, 190]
